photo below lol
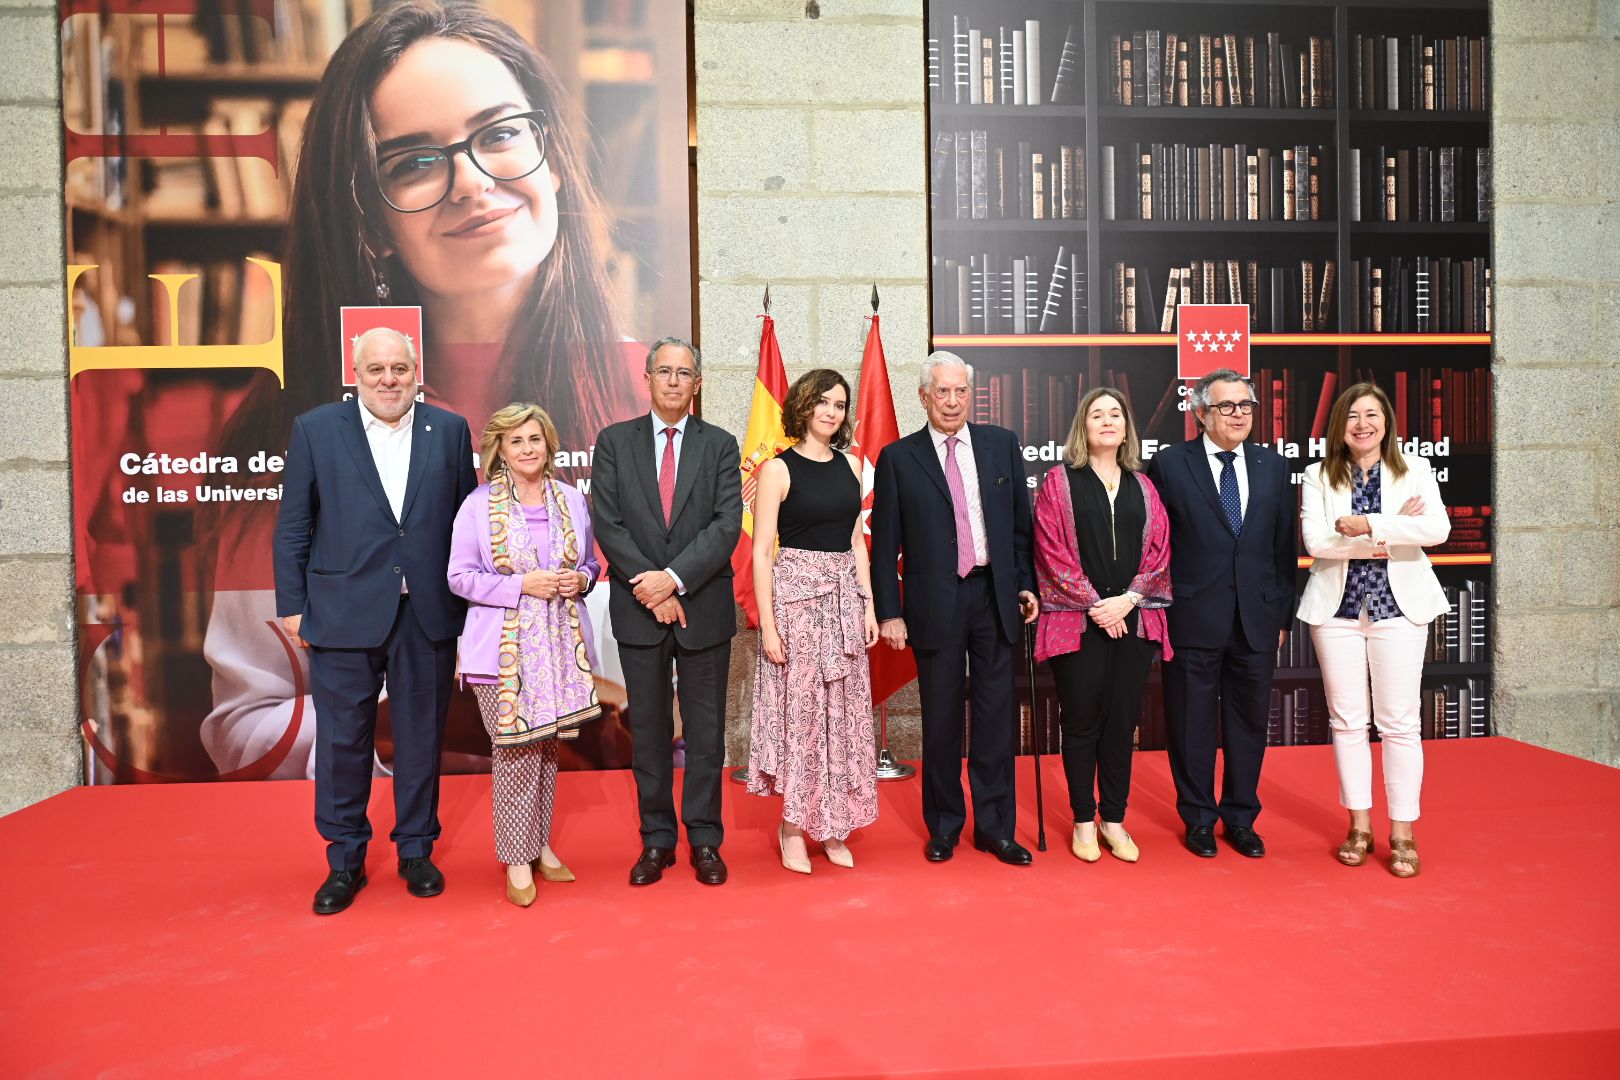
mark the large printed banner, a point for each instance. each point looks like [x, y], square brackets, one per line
[243, 180]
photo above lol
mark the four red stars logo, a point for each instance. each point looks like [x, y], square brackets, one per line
[1210, 336]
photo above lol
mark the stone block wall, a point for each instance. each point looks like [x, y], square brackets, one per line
[1556, 134]
[811, 151]
[40, 751]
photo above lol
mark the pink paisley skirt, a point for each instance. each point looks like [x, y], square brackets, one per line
[811, 735]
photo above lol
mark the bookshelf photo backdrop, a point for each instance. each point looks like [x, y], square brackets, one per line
[184, 134]
[1094, 164]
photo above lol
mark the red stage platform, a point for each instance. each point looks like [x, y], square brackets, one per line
[165, 931]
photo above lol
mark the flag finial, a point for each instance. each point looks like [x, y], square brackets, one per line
[767, 298]
[874, 298]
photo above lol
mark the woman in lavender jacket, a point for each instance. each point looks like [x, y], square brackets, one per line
[522, 555]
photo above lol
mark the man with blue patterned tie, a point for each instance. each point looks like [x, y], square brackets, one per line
[1232, 564]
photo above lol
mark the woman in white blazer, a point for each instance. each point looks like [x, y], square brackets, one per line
[1367, 514]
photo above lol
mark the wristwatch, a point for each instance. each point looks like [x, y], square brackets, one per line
[1134, 597]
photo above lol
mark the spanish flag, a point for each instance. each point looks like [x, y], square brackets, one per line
[763, 441]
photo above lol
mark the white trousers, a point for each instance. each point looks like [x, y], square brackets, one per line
[1389, 653]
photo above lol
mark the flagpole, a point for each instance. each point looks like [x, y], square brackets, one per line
[740, 775]
[887, 767]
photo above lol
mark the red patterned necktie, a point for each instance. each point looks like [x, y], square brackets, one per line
[666, 475]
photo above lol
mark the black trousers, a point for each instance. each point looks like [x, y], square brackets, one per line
[1099, 697]
[975, 646]
[701, 685]
[1218, 695]
[419, 673]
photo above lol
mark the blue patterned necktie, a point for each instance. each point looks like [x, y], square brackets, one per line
[1230, 501]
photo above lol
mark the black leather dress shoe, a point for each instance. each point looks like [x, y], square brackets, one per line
[939, 849]
[337, 891]
[1246, 840]
[652, 864]
[1010, 852]
[1201, 841]
[710, 867]
[422, 878]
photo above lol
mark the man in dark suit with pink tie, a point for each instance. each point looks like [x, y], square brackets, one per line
[951, 501]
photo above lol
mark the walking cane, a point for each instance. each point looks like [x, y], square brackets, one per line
[1035, 737]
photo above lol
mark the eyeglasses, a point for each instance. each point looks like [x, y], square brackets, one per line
[1230, 408]
[418, 178]
[672, 374]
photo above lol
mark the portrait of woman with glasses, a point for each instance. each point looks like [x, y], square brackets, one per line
[439, 167]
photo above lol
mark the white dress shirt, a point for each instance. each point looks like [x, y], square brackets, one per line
[659, 439]
[391, 452]
[970, 487]
[1239, 465]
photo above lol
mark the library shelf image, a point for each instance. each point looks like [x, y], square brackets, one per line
[184, 136]
[1094, 165]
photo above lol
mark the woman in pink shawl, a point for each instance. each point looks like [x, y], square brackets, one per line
[522, 554]
[1102, 552]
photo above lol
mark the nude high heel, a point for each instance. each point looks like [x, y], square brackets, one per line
[799, 865]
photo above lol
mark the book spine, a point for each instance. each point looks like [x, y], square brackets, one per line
[1079, 181]
[1324, 303]
[1251, 85]
[1234, 73]
[961, 72]
[1389, 188]
[987, 70]
[1355, 183]
[1025, 183]
[933, 69]
[1019, 324]
[1206, 87]
[975, 55]
[1154, 83]
[1054, 294]
[1065, 192]
[1183, 61]
[1004, 47]
[1077, 296]
[1273, 70]
[979, 167]
[1218, 74]
[1130, 300]
[1145, 182]
[1172, 50]
[1448, 183]
[1107, 175]
[1251, 202]
[1032, 61]
[1116, 68]
[1483, 193]
[1314, 171]
[1037, 190]
[1063, 84]
[1307, 296]
[1020, 62]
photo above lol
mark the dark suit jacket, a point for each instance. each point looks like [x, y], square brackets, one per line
[912, 516]
[1211, 572]
[339, 551]
[697, 545]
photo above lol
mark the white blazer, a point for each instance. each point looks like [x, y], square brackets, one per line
[1400, 538]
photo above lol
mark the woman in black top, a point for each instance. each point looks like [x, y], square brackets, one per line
[811, 738]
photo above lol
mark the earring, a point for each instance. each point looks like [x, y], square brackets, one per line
[379, 279]
[382, 284]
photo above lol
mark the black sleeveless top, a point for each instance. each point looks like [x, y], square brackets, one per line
[822, 503]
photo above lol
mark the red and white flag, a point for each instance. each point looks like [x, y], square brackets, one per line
[1211, 336]
[875, 428]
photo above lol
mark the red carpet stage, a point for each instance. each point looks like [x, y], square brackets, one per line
[163, 931]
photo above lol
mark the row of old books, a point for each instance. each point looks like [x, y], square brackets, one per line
[1014, 294]
[1470, 525]
[1298, 651]
[1182, 182]
[1298, 717]
[1438, 403]
[1456, 709]
[1420, 294]
[1281, 299]
[226, 303]
[1039, 405]
[1002, 67]
[1152, 68]
[94, 100]
[1424, 183]
[301, 34]
[991, 181]
[236, 186]
[1449, 74]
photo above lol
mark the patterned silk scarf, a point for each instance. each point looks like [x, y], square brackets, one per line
[544, 686]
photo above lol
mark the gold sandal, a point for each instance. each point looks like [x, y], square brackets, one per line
[1403, 852]
[1356, 847]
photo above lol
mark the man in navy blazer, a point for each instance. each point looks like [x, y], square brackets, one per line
[362, 546]
[1232, 565]
[951, 500]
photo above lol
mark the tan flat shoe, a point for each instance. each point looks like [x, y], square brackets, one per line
[1083, 851]
[521, 897]
[552, 873]
[798, 864]
[1124, 850]
[838, 853]
[1355, 849]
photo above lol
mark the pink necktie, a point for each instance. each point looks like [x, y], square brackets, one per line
[666, 475]
[964, 530]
